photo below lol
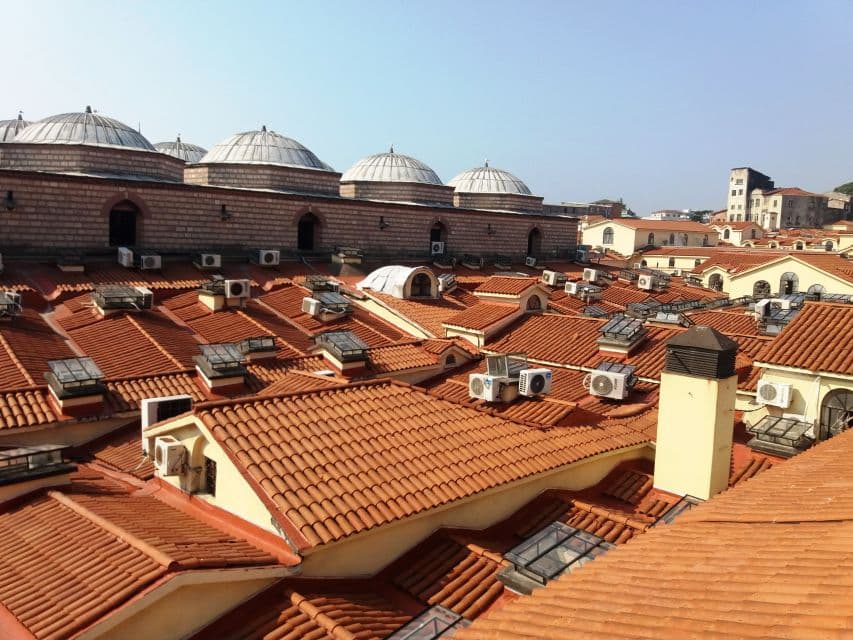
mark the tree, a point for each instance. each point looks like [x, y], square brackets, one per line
[846, 188]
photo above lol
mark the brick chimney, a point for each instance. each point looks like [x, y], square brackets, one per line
[696, 413]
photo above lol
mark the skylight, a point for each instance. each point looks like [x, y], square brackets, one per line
[622, 328]
[506, 365]
[435, 622]
[74, 376]
[344, 344]
[119, 296]
[595, 312]
[257, 344]
[317, 282]
[333, 301]
[223, 358]
[788, 432]
[10, 303]
[554, 550]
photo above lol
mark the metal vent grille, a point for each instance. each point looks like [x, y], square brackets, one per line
[700, 362]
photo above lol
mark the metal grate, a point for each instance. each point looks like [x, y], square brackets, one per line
[780, 430]
[118, 296]
[223, 356]
[74, 375]
[435, 622]
[345, 345]
[622, 328]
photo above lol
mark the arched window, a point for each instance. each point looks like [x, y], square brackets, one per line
[815, 291]
[534, 242]
[705, 241]
[788, 283]
[761, 289]
[836, 413]
[123, 224]
[798, 246]
[672, 262]
[773, 245]
[643, 263]
[421, 286]
[752, 233]
[715, 282]
[607, 237]
[534, 303]
[306, 232]
[727, 233]
[651, 239]
[671, 239]
[685, 239]
[828, 245]
[450, 360]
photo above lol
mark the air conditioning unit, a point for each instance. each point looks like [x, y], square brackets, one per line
[530, 261]
[125, 257]
[608, 384]
[777, 394]
[209, 261]
[268, 257]
[436, 248]
[150, 262]
[590, 275]
[238, 289]
[646, 282]
[169, 456]
[154, 410]
[147, 301]
[582, 256]
[534, 382]
[485, 387]
[446, 282]
[553, 278]
[762, 308]
[677, 272]
[311, 306]
[572, 288]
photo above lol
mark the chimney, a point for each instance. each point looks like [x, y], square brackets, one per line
[220, 368]
[76, 387]
[696, 414]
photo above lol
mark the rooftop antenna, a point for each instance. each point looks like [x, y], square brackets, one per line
[20, 115]
[487, 162]
[264, 128]
[88, 108]
[179, 138]
[391, 150]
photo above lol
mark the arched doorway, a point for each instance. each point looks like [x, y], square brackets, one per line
[534, 242]
[306, 232]
[421, 286]
[438, 233]
[828, 245]
[761, 290]
[123, 224]
[715, 282]
[534, 303]
[788, 283]
[836, 413]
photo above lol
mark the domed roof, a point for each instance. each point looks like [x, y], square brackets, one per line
[487, 179]
[10, 128]
[84, 128]
[390, 167]
[181, 150]
[264, 147]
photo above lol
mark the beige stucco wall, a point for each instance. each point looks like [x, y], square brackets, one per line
[661, 263]
[626, 240]
[742, 284]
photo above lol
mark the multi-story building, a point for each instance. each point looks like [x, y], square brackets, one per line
[603, 208]
[742, 181]
[669, 214]
[753, 196]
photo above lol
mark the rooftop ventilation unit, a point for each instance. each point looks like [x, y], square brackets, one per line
[777, 394]
[589, 293]
[125, 257]
[10, 304]
[591, 275]
[74, 377]
[326, 303]
[169, 456]
[553, 278]
[311, 306]
[436, 248]
[623, 329]
[344, 345]
[316, 282]
[207, 260]
[646, 282]
[154, 410]
[446, 282]
[582, 253]
[627, 275]
[148, 261]
[611, 380]
[530, 262]
[534, 382]
[238, 289]
[116, 297]
[267, 257]
[483, 386]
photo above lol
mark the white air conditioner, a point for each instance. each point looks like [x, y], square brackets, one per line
[209, 260]
[762, 308]
[269, 257]
[436, 248]
[646, 282]
[777, 394]
[608, 384]
[590, 275]
[154, 410]
[534, 382]
[446, 282]
[169, 456]
[150, 262]
[311, 306]
[677, 272]
[238, 289]
[553, 278]
[485, 387]
[572, 288]
[125, 257]
[530, 261]
[637, 265]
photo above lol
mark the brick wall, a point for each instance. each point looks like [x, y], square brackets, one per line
[399, 192]
[262, 176]
[90, 159]
[502, 201]
[57, 213]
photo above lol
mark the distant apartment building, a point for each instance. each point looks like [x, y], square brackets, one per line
[754, 197]
[669, 214]
[840, 205]
[742, 181]
[603, 208]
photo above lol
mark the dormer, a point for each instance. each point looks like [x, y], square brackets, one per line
[220, 368]
[76, 386]
[528, 293]
[258, 348]
[115, 298]
[345, 351]
[621, 335]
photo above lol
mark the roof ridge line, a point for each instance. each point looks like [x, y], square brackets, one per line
[137, 543]
[14, 358]
[156, 344]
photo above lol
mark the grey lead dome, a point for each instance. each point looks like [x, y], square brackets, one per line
[487, 179]
[390, 167]
[181, 150]
[87, 128]
[264, 147]
[11, 128]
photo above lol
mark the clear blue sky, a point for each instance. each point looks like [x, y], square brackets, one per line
[650, 101]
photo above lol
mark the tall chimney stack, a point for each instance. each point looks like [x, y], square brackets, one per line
[696, 414]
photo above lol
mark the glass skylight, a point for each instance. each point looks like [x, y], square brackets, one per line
[435, 622]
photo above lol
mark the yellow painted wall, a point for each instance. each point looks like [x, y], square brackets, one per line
[742, 284]
[623, 238]
[627, 240]
[367, 553]
[694, 434]
[661, 263]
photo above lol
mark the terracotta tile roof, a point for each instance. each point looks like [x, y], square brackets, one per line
[774, 586]
[815, 340]
[655, 225]
[231, 325]
[293, 381]
[481, 316]
[122, 451]
[26, 408]
[107, 545]
[126, 394]
[741, 225]
[506, 285]
[412, 452]
[428, 314]
[623, 295]
[562, 301]
[792, 191]
[32, 343]
[727, 322]
[399, 357]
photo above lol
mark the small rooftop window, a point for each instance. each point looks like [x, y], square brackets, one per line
[345, 345]
[789, 433]
[435, 622]
[74, 377]
[119, 296]
[333, 301]
[10, 303]
[594, 312]
[673, 318]
[257, 344]
[25, 463]
[685, 504]
[623, 328]
[741, 301]
[506, 365]
[317, 282]
[554, 550]
[219, 360]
